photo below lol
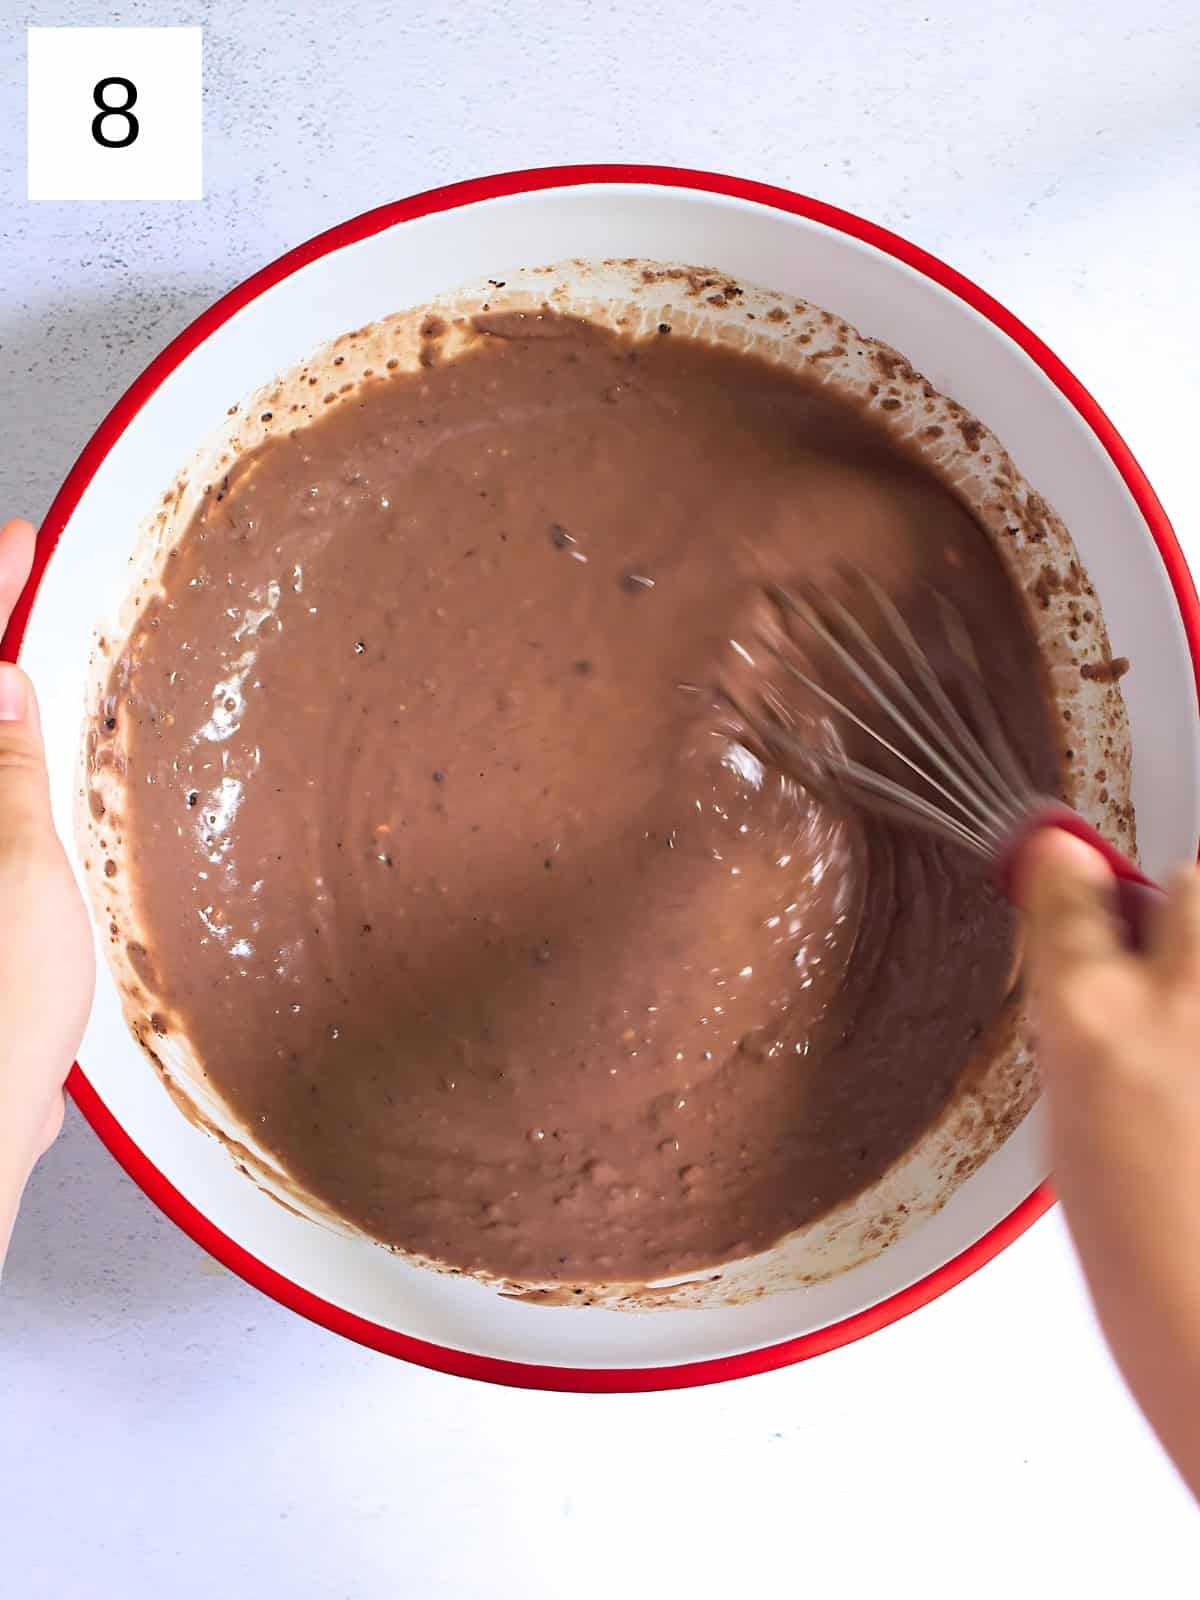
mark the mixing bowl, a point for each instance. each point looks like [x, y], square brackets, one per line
[405, 254]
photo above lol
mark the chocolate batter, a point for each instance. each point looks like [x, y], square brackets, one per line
[447, 863]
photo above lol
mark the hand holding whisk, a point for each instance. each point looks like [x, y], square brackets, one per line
[925, 761]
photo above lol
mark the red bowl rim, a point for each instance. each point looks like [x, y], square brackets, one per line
[137, 1164]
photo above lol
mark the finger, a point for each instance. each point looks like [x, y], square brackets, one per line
[53, 1124]
[1067, 891]
[24, 787]
[17, 541]
[1175, 932]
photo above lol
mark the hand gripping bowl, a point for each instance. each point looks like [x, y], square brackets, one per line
[768, 1312]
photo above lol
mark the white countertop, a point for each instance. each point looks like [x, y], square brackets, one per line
[167, 1432]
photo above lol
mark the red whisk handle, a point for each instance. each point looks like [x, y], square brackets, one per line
[1136, 894]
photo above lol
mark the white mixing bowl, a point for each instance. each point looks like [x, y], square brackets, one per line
[969, 347]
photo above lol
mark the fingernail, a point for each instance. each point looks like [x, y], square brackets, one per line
[13, 697]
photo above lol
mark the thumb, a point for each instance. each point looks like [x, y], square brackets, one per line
[24, 789]
[1066, 889]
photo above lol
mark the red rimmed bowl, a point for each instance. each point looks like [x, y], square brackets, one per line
[404, 254]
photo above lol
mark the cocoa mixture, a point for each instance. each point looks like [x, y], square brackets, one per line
[448, 863]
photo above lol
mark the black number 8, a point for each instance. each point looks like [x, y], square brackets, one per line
[126, 111]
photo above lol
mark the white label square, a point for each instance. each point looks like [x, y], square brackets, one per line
[114, 114]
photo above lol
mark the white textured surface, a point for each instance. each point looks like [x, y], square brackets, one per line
[166, 1432]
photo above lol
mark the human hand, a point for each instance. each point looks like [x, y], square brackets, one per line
[1119, 1045]
[47, 966]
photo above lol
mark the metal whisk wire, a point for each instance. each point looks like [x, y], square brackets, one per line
[970, 786]
[984, 791]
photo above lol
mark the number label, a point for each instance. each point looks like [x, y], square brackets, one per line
[114, 113]
[123, 112]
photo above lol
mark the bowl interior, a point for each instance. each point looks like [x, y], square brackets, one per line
[961, 352]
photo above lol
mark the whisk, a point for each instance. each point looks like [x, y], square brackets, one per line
[962, 779]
